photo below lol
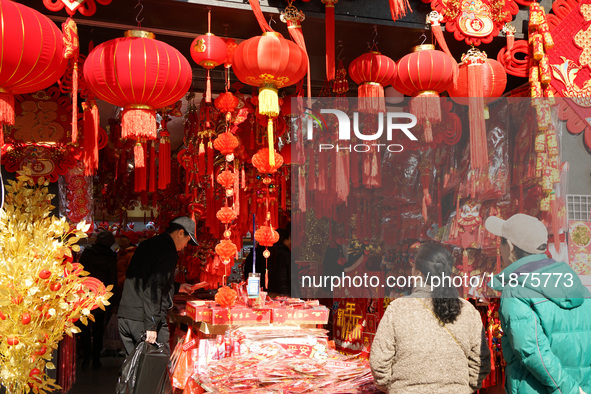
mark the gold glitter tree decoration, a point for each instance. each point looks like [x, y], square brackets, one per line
[42, 293]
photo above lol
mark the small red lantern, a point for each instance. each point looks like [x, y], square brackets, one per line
[226, 143]
[226, 250]
[226, 103]
[372, 71]
[226, 178]
[32, 55]
[230, 48]
[226, 297]
[261, 161]
[269, 62]
[141, 75]
[208, 51]
[226, 215]
[424, 73]
[266, 236]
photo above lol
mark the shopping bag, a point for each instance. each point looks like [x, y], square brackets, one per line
[145, 371]
[185, 366]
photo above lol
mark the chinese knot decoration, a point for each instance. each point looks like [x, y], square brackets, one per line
[31, 66]
[86, 7]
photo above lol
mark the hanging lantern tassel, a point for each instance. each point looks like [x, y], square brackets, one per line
[330, 33]
[373, 94]
[258, 14]
[138, 155]
[164, 160]
[510, 35]
[294, 17]
[425, 106]
[201, 161]
[208, 88]
[152, 180]
[555, 222]
[435, 18]
[6, 109]
[91, 129]
[398, 8]
[478, 147]
[210, 158]
[427, 200]
[268, 101]
[270, 138]
[138, 121]
[75, 103]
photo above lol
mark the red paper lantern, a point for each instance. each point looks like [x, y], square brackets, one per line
[208, 51]
[32, 55]
[226, 178]
[372, 71]
[266, 236]
[261, 161]
[230, 48]
[226, 250]
[269, 62]
[494, 81]
[424, 73]
[226, 297]
[141, 75]
[226, 215]
[226, 143]
[227, 103]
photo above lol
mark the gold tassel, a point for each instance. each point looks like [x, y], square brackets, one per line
[271, 142]
[268, 101]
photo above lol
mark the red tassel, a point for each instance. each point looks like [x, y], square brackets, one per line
[75, 103]
[152, 183]
[138, 123]
[301, 190]
[510, 42]
[6, 109]
[438, 33]
[398, 8]
[342, 176]
[243, 176]
[210, 157]
[90, 155]
[312, 170]
[555, 221]
[164, 160]
[330, 33]
[295, 31]
[138, 155]
[425, 106]
[372, 98]
[426, 195]
[201, 162]
[256, 9]
[322, 172]
[283, 192]
[478, 146]
[208, 88]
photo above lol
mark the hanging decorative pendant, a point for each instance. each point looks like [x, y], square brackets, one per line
[86, 7]
[475, 21]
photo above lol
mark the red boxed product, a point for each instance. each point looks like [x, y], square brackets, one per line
[315, 315]
[240, 315]
[199, 311]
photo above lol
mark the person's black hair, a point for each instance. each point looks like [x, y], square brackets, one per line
[173, 227]
[283, 235]
[105, 238]
[434, 259]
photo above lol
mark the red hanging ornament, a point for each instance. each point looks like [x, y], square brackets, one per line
[208, 51]
[226, 250]
[226, 178]
[32, 55]
[372, 71]
[424, 73]
[226, 143]
[330, 32]
[226, 103]
[269, 62]
[266, 236]
[226, 215]
[226, 297]
[262, 163]
[164, 160]
[143, 74]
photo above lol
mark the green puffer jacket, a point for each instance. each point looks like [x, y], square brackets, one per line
[545, 315]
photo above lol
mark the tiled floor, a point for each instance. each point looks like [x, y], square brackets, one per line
[97, 381]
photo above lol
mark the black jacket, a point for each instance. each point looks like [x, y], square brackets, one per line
[149, 283]
[280, 269]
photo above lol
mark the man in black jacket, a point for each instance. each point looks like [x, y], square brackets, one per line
[149, 285]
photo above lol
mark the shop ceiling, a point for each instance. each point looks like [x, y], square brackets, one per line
[178, 22]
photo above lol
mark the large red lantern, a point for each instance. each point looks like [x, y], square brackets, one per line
[32, 55]
[269, 62]
[140, 74]
[480, 80]
[425, 73]
[372, 71]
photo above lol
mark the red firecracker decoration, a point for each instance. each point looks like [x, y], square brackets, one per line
[226, 215]
[269, 62]
[142, 75]
[32, 55]
[372, 71]
[208, 51]
[261, 161]
[424, 73]
[226, 297]
[480, 80]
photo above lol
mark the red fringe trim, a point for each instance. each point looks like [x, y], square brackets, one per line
[478, 146]
[509, 50]
[398, 8]
[139, 155]
[152, 183]
[6, 109]
[208, 88]
[75, 103]
[297, 35]
[164, 163]
[201, 161]
[330, 32]
[90, 156]
[138, 123]
[426, 107]
[210, 157]
[372, 98]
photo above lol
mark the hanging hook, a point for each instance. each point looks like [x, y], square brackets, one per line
[271, 20]
[424, 37]
[375, 35]
[137, 18]
[341, 48]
